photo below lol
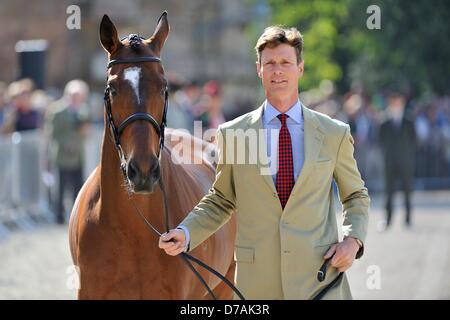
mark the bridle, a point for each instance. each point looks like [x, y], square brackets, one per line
[159, 128]
[117, 131]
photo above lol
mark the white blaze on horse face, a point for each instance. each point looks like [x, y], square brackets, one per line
[132, 75]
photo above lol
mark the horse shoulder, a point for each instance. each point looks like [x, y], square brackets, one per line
[86, 201]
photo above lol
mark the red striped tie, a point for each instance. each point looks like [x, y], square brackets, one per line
[285, 174]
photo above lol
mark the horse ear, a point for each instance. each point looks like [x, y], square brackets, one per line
[160, 35]
[108, 35]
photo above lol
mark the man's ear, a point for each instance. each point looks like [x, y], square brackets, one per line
[258, 69]
[108, 35]
[301, 67]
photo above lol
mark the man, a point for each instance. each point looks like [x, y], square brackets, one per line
[67, 127]
[398, 142]
[286, 223]
[22, 116]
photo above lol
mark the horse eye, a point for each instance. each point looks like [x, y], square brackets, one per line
[163, 91]
[112, 90]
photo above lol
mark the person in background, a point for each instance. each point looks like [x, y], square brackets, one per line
[360, 127]
[397, 136]
[213, 92]
[67, 127]
[23, 115]
[3, 104]
[178, 116]
[187, 99]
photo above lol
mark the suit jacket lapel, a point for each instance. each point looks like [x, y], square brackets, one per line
[313, 139]
[255, 123]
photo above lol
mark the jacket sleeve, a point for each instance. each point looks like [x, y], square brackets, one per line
[217, 206]
[352, 192]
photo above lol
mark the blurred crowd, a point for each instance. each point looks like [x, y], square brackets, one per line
[365, 114]
[191, 101]
[65, 121]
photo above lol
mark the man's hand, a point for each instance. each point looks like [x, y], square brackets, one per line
[345, 254]
[173, 242]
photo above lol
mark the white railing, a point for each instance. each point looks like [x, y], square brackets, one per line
[27, 184]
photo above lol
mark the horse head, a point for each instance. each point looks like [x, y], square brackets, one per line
[136, 98]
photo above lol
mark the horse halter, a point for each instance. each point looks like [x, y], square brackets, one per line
[117, 131]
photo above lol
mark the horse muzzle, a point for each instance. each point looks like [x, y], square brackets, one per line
[143, 181]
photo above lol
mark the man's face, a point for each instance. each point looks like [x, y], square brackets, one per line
[279, 71]
[396, 106]
[77, 98]
[22, 101]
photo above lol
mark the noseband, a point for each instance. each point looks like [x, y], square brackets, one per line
[117, 131]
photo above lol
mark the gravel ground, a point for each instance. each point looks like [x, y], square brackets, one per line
[398, 264]
[33, 264]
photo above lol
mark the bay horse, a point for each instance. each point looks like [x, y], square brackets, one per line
[116, 254]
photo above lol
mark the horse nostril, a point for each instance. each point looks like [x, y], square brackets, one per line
[156, 171]
[132, 170]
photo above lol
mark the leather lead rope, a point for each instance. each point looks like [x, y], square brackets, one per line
[185, 256]
[321, 274]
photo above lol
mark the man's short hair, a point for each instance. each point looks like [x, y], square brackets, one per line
[276, 35]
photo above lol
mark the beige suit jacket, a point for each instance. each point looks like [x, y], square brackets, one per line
[278, 252]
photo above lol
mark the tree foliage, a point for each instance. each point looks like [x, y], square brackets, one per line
[410, 51]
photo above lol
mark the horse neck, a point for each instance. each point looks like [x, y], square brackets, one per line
[117, 205]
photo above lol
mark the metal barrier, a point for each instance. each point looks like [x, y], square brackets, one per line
[26, 185]
[6, 198]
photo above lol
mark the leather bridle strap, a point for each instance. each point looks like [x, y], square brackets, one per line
[133, 60]
[117, 132]
[139, 116]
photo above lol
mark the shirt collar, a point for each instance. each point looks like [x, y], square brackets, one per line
[294, 112]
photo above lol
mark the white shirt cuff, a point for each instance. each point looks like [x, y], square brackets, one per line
[186, 233]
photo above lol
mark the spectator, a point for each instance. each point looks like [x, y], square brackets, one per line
[23, 115]
[355, 109]
[187, 99]
[3, 104]
[212, 115]
[179, 112]
[67, 128]
[398, 142]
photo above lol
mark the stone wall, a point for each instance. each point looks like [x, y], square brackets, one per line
[209, 39]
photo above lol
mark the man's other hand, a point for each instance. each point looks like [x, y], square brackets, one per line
[344, 254]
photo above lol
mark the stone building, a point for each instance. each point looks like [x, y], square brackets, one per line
[209, 39]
